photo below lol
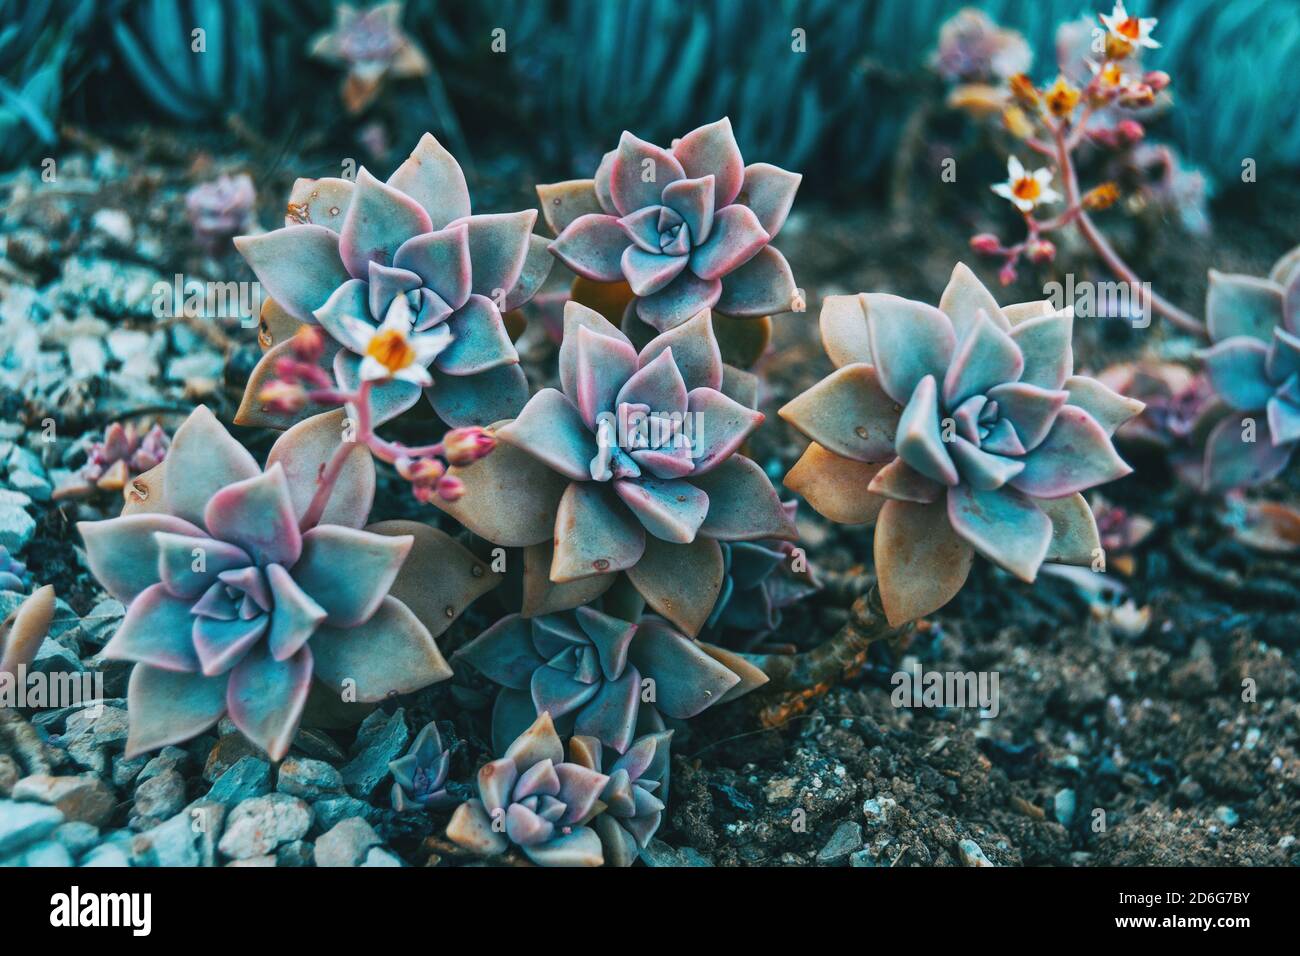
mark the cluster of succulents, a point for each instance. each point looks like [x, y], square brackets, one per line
[957, 430]
[112, 463]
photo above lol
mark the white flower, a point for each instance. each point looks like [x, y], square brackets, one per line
[1134, 30]
[1027, 189]
[1111, 73]
[393, 350]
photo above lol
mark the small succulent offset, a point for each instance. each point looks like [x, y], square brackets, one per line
[400, 275]
[957, 429]
[13, 573]
[536, 800]
[420, 775]
[687, 228]
[635, 796]
[221, 209]
[373, 47]
[632, 466]
[238, 598]
[591, 670]
[1254, 366]
[111, 464]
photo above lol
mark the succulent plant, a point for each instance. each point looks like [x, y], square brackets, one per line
[24, 630]
[373, 47]
[235, 605]
[635, 796]
[686, 228]
[1254, 366]
[119, 457]
[632, 466]
[956, 429]
[13, 573]
[355, 254]
[534, 799]
[420, 775]
[972, 48]
[601, 676]
[761, 579]
[221, 209]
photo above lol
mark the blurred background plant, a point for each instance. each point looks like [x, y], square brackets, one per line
[819, 85]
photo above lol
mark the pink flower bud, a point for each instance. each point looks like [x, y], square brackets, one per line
[1137, 96]
[465, 446]
[1007, 274]
[308, 344]
[1104, 137]
[450, 488]
[1157, 80]
[283, 397]
[1040, 251]
[422, 472]
[1131, 131]
[986, 244]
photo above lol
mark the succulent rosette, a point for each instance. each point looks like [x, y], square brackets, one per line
[235, 606]
[373, 46]
[534, 799]
[687, 228]
[420, 775]
[355, 254]
[1254, 367]
[631, 465]
[957, 429]
[761, 580]
[635, 796]
[601, 676]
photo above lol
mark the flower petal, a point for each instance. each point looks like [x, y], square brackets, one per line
[156, 631]
[123, 554]
[836, 487]
[769, 191]
[1004, 525]
[391, 654]
[298, 266]
[387, 399]
[480, 399]
[552, 431]
[743, 505]
[909, 340]
[346, 314]
[764, 285]
[678, 301]
[1237, 370]
[1242, 305]
[564, 202]
[921, 563]
[265, 698]
[735, 238]
[479, 340]
[986, 356]
[695, 351]
[378, 221]
[680, 581]
[348, 572]
[640, 172]
[432, 177]
[686, 680]
[592, 246]
[848, 413]
[257, 514]
[844, 330]
[1045, 343]
[1076, 455]
[303, 452]
[964, 297]
[442, 260]
[712, 149]
[166, 707]
[202, 460]
[593, 534]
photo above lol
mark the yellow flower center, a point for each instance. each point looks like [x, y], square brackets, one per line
[1130, 28]
[391, 350]
[1112, 75]
[1026, 188]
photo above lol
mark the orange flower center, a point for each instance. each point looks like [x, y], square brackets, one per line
[1026, 188]
[1130, 28]
[391, 350]
[1112, 75]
